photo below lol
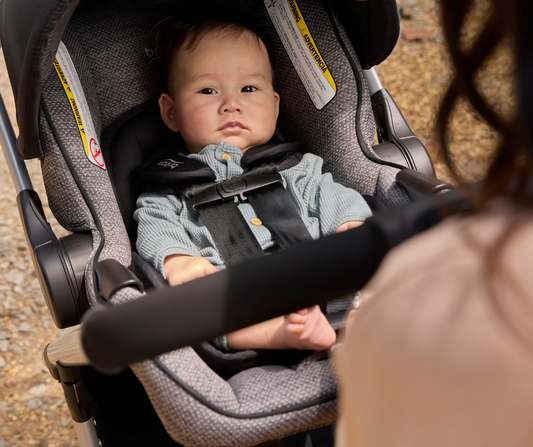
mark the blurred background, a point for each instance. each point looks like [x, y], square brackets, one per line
[32, 408]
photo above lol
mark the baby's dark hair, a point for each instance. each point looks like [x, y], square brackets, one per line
[185, 22]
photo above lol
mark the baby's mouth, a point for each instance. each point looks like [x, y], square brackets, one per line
[232, 125]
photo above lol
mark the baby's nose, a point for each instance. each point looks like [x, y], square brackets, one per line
[231, 105]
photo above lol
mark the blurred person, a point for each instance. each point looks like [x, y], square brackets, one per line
[442, 355]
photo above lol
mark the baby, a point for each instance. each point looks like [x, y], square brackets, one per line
[222, 101]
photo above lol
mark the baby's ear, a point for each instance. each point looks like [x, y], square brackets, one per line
[276, 99]
[166, 108]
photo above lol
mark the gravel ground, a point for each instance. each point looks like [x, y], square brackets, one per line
[32, 408]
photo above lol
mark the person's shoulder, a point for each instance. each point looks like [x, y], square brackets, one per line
[457, 255]
[475, 233]
[454, 235]
[451, 290]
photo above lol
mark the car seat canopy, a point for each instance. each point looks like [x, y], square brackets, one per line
[31, 36]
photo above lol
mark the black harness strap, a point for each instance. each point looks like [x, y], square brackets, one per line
[232, 236]
[217, 205]
[276, 210]
[260, 184]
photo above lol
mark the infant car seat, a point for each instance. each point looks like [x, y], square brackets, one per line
[83, 73]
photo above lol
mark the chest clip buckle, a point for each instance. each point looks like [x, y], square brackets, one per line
[235, 189]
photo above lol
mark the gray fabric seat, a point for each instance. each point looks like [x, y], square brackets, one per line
[111, 47]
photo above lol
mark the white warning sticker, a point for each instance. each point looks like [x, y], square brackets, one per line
[302, 50]
[71, 84]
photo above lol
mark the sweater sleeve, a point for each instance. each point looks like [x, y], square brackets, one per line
[336, 204]
[160, 232]
[329, 202]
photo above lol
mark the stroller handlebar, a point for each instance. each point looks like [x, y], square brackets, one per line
[308, 274]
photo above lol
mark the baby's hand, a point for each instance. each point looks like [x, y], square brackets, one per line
[182, 268]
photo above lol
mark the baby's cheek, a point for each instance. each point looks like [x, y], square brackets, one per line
[269, 124]
[194, 125]
[269, 117]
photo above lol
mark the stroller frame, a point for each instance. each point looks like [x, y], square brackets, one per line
[84, 344]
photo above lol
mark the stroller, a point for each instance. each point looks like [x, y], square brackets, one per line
[84, 76]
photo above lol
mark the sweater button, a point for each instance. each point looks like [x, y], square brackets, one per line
[256, 222]
[226, 157]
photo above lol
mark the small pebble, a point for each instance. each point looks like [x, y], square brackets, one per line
[9, 303]
[405, 13]
[39, 390]
[2, 362]
[16, 349]
[14, 276]
[34, 403]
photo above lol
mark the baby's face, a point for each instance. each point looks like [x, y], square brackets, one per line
[222, 91]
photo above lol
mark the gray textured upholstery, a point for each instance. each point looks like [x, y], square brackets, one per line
[120, 54]
[255, 389]
[111, 48]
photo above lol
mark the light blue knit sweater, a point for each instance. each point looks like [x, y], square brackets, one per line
[168, 226]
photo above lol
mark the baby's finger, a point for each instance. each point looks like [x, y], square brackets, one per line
[295, 328]
[296, 318]
[210, 269]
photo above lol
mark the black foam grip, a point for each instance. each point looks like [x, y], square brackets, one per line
[311, 273]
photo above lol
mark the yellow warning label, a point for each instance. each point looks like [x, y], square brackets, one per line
[308, 39]
[73, 104]
[70, 81]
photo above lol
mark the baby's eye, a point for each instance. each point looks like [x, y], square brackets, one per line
[249, 89]
[208, 91]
